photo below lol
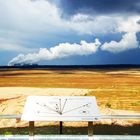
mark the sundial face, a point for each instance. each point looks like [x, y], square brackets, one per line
[60, 108]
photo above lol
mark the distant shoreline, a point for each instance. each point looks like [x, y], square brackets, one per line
[110, 66]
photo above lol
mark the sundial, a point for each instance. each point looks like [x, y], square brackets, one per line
[61, 108]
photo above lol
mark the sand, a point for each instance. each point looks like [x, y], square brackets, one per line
[12, 100]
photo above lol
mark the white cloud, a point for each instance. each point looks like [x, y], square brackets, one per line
[24, 21]
[129, 24]
[128, 41]
[86, 24]
[42, 16]
[27, 19]
[13, 46]
[25, 15]
[61, 51]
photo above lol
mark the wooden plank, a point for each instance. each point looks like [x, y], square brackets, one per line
[90, 128]
[61, 127]
[31, 128]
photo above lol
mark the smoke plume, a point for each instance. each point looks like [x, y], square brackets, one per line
[63, 50]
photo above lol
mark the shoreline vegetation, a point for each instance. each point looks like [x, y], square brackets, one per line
[104, 66]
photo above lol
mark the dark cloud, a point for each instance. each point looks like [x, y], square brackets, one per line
[138, 21]
[71, 7]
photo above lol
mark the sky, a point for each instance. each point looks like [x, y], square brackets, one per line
[69, 32]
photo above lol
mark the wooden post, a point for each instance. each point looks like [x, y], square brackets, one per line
[90, 128]
[31, 128]
[61, 128]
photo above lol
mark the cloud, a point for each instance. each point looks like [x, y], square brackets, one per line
[43, 17]
[138, 21]
[12, 46]
[29, 21]
[128, 41]
[72, 7]
[130, 24]
[27, 15]
[63, 50]
[86, 24]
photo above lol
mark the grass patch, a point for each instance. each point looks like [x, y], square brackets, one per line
[8, 133]
[135, 104]
[108, 105]
[99, 129]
